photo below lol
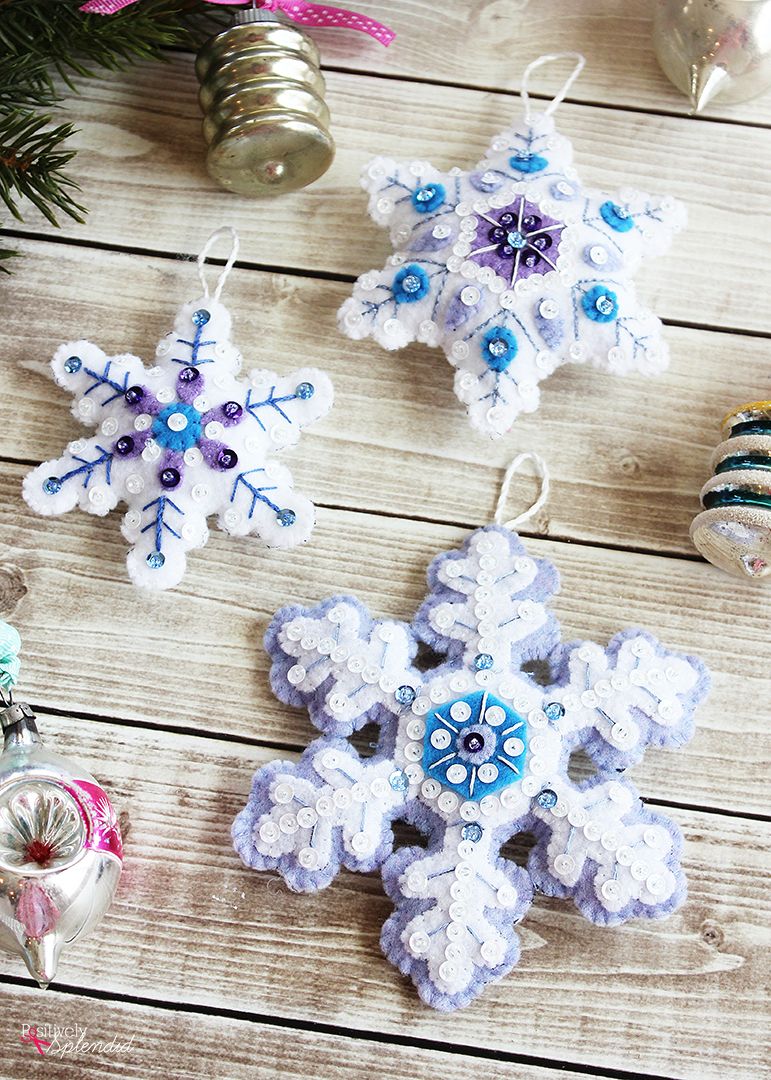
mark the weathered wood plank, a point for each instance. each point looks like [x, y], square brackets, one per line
[628, 456]
[683, 998]
[178, 1045]
[193, 656]
[488, 43]
[141, 161]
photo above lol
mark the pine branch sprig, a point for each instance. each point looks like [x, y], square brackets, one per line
[32, 158]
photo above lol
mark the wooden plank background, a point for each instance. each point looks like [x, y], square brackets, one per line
[210, 969]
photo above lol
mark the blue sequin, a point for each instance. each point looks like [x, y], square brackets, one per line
[73, 364]
[499, 347]
[410, 284]
[516, 240]
[472, 832]
[155, 560]
[483, 661]
[546, 798]
[52, 486]
[600, 304]
[428, 198]
[398, 780]
[405, 695]
[177, 440]
[554, 711]
[527, 163]
[201, 317]
[285, 518]
[616, 216]
[305, 390]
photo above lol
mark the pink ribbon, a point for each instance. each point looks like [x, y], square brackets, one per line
[300, 11]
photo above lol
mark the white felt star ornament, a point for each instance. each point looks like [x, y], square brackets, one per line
[182, 440]
[512, 268]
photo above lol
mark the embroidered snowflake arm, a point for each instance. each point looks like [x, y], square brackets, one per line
[612, 330]
[263, 501]
[414, 201]
[346, 668]
[487, 602]
[602, 847]
[161, 531]
[330, 809]
[616, 702]
[97, 382]
[453, 928]
[398, 304]
[86, 476]
[277, 407]
[533, 154]
[629, 226]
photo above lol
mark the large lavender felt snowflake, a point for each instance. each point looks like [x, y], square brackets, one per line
[181, 441]
[472, 753]
[513, 269]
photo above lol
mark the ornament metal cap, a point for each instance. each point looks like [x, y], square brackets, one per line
[733, 531]
[262, 95]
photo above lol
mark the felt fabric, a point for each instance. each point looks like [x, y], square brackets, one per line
[181, 441]
[471, 752]
[512, 268]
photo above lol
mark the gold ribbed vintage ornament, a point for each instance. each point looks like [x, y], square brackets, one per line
[265, 118]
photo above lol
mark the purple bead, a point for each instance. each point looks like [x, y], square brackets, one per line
[134, 394]
[497, 234]
[531, 221]
[169, 478]
[506, 251]
[541, 242]
[531, 260]
[507, 219]
[227, 458]
[124, 445]
[232, 410]
[189, 374]
[473, 742]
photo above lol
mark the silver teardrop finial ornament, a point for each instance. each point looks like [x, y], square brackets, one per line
[714, 49]
[61, 853]
[265, 118]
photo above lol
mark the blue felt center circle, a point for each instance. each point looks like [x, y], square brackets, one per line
[177, 440]
[472, 775]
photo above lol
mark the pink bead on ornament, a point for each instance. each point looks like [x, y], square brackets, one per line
[61, 852]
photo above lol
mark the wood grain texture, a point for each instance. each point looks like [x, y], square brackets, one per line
[172, 1045]
[628, 456]
[193, 658]
[141, 158]
[681, 998]
[488, 43]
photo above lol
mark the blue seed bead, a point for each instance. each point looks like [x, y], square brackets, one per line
[73, 364]
[428, 198]
[515, 239]
[483, 661]
[201, 317]
[405, 695]
[398, 780]
[155, 560]
[52, 485]
[616, 216]
[546, 799]
[554, 710]
[285, 518]
[472, 832]
[305, 390]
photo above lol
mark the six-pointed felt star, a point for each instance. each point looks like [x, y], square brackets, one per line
[513, 269]
[181, 441]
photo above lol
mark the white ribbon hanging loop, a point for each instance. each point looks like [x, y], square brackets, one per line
[557, 100]
[542, 471]
[219, 234]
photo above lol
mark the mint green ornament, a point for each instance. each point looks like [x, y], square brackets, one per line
[10, 645]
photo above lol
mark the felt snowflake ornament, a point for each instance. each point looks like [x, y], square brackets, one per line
[471, 752]
[183, 440]
[512, 268]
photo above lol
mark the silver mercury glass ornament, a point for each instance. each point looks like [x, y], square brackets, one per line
[733, 531]
[60, 846]
[714, 48]
[262, 95]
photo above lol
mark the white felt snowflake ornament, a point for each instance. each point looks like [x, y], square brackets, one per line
[512, 268]
[472, 751]
[183, 440]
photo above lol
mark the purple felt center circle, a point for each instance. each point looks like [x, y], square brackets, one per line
[516, 240]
